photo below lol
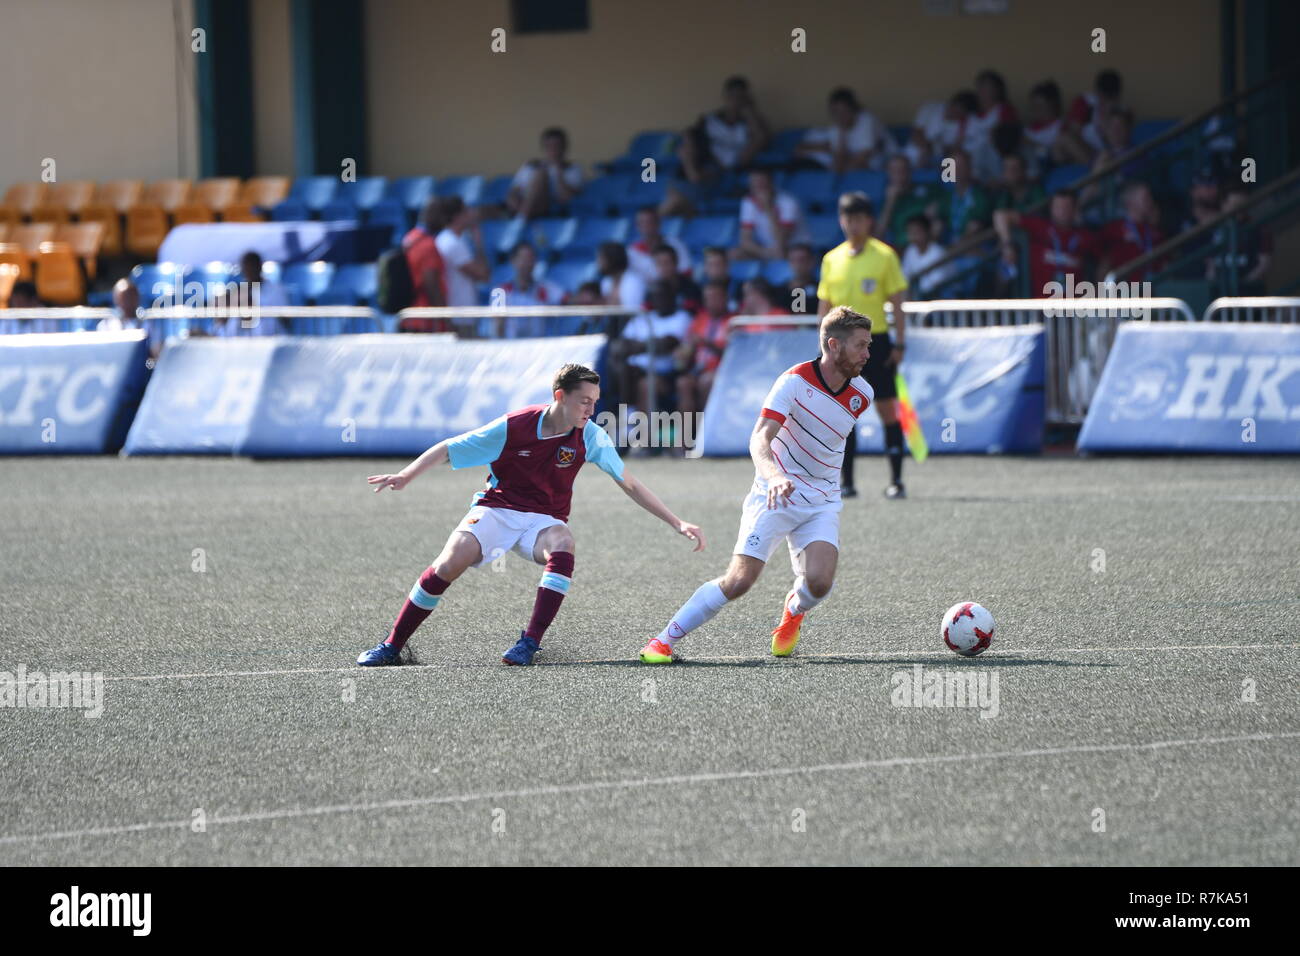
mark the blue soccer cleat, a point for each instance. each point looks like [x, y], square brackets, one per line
[382, 654]
[522, 653]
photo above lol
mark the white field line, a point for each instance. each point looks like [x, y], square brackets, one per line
[845, 655]
[684, 780]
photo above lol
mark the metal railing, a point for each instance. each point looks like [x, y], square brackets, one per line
[1263, 308]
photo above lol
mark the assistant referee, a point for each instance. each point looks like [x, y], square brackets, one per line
[863, 273]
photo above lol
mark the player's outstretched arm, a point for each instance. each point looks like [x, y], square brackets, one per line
[436, 455]
[648, 500]
[779, 485]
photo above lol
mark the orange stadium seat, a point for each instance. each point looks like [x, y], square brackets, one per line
[218, 193]
[49, 212]
[8, 276]
[31, 235]
[26, 196]
[11, 253]
[59, 280]
[188, 212]
[264, 191]
[120, 194]
[5, 227]
[146, 227]
[10, 216]
[168, 193]
[87, 242]
[106, 216]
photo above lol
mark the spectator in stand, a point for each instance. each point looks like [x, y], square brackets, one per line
[1203, 206]
[1133, 234]
[1058, 247]
[769, 220]
[126, 303]
[545, 186]
[661, 327]
[640, 253]
[722, 141]
[801, 288]
[1046, 120]
[759, 298]
[1016, 190]
[1248, 254]
[524, 289]
[994, 108]
[903, 200]
[854, 140]
[921, 253]
[701, 351]
[717, 268]
[261, 292]
[619, 285]
[969, 207]
[23, 296]
[668, 269]
[428, 272]
[586, 294]
[1118, 141]
[940, 128]
[1085, 123]
[461, 245]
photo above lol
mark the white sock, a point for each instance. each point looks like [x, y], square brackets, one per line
[700, 608]
[803, 600]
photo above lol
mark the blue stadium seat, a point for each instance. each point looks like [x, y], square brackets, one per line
[638, 194]
[214, 276]
[337, 210]
[672, 226]
[722, 206]
[363, 193]
[391, 213]
[590, 233]
[1063, 176]
[352, 282]
[568, 275]
[411, 191]
[154, 280]
[824, 231]
[468, 188]
[550, 236]
[709, 231]
[901, 134]
[745, 269]
[495, 190]
[780, 151]
[305, 281]
[926, 175]
[776, 271]
[314, 191]
[500, 236]
[868, 181]
[601, 194]
[290, 210]
[659, 145]
[814, 188]
[1148, 130]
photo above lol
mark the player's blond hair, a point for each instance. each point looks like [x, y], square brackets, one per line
[571, 376]
[840, 322]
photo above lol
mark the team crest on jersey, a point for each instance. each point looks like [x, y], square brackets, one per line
[868, 286]
[855, 403]
[473, 520]
[565, 456]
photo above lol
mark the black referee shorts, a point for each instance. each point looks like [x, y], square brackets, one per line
[880, 369]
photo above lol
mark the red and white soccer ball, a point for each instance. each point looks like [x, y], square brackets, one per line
[967, 628]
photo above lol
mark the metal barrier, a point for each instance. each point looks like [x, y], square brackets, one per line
[181, 321]
[1263, 308]
[1079, 335]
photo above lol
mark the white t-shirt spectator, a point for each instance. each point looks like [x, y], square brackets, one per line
[269, 294]
[914, 261]
[631, 289]
[519, 326]
[571, 175]
[456, 252]
[640, 257]
[726, 140]
[640, 328]
[787, 213]
[866, 133]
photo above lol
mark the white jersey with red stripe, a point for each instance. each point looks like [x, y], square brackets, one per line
[815, 423]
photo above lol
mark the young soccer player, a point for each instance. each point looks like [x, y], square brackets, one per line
[533, 456]
[797, 446]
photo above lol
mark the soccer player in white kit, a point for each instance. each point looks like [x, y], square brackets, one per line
[798, 447]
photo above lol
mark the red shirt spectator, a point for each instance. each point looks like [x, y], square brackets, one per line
[711, 329]
[422, 256]
[1056, 251]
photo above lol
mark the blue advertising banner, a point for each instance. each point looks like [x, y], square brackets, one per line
[69, 392]
[397, 395]
[1198, 387]
[201, 398]
[975, 390]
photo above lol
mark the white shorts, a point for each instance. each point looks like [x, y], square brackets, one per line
[499, 530]
[799, 525]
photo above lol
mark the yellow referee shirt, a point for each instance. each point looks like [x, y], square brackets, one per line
[863, 282]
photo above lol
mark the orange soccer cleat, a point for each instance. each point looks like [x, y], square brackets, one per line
[786, 634]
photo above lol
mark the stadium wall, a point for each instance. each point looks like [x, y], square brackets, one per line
[440, 101]
[106, 90]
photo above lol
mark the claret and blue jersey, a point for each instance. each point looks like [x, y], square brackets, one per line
[529, 472]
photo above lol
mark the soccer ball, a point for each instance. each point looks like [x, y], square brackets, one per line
[967, 628]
